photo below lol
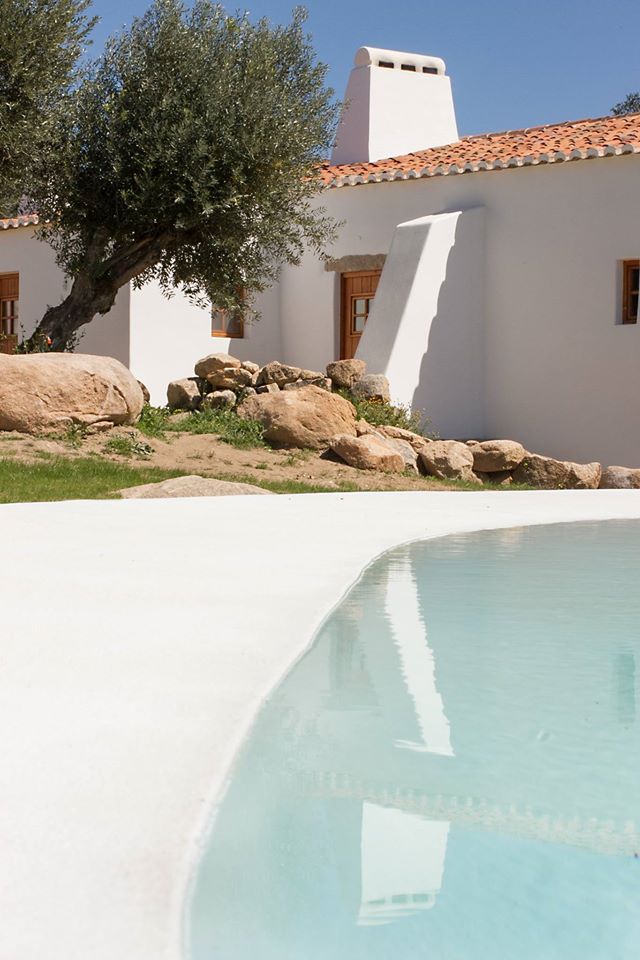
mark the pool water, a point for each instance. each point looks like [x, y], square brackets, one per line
[452, 772]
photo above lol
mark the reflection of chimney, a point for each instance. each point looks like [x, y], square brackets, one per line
[402, 863]
[395, 103]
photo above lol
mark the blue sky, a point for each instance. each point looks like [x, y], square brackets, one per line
[512, 64]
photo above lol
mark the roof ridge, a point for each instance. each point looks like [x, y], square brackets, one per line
[584, 139]
[545, 126]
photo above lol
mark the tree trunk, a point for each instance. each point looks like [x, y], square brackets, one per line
[95, 287]
[84, 301]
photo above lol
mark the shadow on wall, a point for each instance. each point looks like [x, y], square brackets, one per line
[451, 380]
[426, 328]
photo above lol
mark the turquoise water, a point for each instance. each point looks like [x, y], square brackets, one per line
[452, 772]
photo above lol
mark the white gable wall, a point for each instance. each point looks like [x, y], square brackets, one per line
[560, 371]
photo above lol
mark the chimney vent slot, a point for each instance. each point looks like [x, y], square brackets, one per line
[386, 63]
[433, 70]
[408, 66]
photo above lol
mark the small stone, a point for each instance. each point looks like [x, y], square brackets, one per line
[497, 455]
[311, 375]
[278, 373]
[268, 388]
[184, 394]
[220, 398]
[229, 378]
[344, 373]
[373, 386]
[250, 366]
[549, 474]
[214, 361]
[368, 452]
[620, 478]
[448, 460]
[406, 451]
[101, 427]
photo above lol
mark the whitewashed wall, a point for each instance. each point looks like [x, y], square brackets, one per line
[561, 372]
[168, 336]
[43, 284]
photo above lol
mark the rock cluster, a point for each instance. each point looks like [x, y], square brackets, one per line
[224, 381]
[298, 408]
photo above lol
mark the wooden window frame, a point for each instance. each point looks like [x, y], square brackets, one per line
[13, 298]
[223, 315]
[628, 266]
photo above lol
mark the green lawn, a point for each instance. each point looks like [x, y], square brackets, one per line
[61, 479]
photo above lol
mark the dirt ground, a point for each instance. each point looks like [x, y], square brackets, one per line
[206, 455]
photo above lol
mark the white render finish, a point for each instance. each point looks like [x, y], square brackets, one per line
[560, 371]
[390, 111]
[168, 336]
[42, 284]
[130, 677]
[427, 326]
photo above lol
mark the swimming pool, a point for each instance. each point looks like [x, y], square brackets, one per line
[451, 772]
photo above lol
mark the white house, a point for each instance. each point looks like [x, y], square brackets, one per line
[493, 278]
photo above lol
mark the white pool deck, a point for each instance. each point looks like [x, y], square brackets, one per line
[138, 641]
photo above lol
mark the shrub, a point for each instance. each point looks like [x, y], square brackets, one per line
[381, 414]
[153, 420]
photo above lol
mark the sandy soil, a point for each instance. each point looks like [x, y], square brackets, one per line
[208, 456]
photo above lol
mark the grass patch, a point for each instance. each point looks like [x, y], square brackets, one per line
[81, 479]
[225, 424]
[128, 446]
[380, 414]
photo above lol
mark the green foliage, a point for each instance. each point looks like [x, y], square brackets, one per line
[153, 420]
[190, 155]
[41, 42]
[75, 434]
[380, 414]
[630, 104]
[63, 479]
[224, 423]
[128, 446]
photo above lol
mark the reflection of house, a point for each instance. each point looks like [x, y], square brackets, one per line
[402, 857]
[521, 726]
[493, 278]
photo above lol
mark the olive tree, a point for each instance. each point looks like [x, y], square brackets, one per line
[41, 42]
[190, 156]
[630, 104]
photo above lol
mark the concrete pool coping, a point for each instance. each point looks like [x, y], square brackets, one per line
[139, 640]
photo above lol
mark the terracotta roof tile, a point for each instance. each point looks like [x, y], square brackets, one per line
[575, 140]
[28, 220]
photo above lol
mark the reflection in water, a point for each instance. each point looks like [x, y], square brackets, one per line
[451, 772]
[402, 858]
[416, 659]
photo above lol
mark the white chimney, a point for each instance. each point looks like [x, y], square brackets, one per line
[395, 103]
